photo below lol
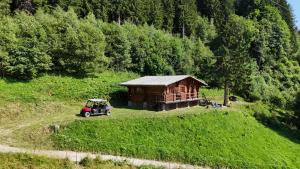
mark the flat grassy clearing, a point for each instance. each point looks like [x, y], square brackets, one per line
[27, 161]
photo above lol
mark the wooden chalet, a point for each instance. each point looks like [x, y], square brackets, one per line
[164, 92]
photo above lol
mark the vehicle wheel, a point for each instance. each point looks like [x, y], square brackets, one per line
[108, 113]
[87, 114]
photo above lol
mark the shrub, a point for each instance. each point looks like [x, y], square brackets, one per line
[26, 48]
[117, 46]
[81, 47]
[86, 162]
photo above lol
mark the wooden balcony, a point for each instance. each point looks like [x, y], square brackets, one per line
[172, 98]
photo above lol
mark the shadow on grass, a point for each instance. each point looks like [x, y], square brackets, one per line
[281, 122]
[119, 99]
[98, 115]
[60, 74]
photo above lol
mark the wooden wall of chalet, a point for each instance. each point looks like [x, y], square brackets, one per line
[140, 94]
[183, 90]
[186, 89]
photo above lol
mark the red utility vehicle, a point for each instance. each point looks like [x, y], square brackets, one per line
[96, 107]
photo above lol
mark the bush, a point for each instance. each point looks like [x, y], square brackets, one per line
[205, 30]
[26, 47]
[86, 162]
[80, 50]
[117, 46]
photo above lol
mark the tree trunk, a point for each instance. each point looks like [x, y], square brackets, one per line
[119, 19]
[226, 93]
[183, 31]
[1, 70]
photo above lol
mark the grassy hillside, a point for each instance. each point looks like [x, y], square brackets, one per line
[26, 161]
[232, 139]
[28, 108]
[48, 88]
[225, 137]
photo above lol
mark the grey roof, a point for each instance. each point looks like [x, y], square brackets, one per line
[158, 80]
[97, 100]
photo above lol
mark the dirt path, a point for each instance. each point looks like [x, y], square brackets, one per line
[77, 156]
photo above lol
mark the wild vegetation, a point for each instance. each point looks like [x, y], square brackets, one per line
[55, 54]
[248, 47]
[60, 88]
[26, 161]
[10, 160]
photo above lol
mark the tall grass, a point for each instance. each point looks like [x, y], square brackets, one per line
[63, 88]
[27, 161]
[226, 139]
[211, 92]
[19, 160]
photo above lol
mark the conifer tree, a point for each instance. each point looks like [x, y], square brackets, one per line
[185, 17]
[155, 13]
[169, 15]
[233, 61]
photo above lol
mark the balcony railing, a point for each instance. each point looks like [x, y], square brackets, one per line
[178, 97]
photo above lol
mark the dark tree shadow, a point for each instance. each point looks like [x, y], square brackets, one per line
[60, 74]
[119, 99]
[281, 122]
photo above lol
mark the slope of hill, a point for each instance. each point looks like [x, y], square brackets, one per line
[226, 137]
[217, 138]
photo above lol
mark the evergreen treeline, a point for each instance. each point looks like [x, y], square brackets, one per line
[249, 47]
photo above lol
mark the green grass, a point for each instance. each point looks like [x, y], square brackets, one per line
[227, 137]
[28, 108]
[97, 163]
[27, 161]
[212, 92]
[214, 138]
[50, 88]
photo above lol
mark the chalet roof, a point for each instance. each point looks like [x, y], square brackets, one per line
[158, 80]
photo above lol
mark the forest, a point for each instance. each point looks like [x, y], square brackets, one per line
[248, 47]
